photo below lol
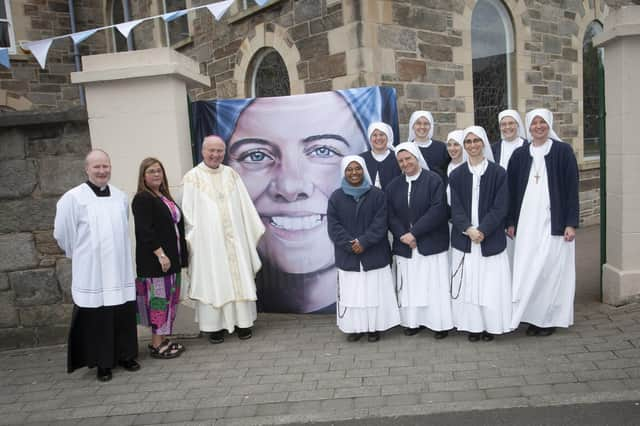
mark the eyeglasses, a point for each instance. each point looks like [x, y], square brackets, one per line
[153, 172]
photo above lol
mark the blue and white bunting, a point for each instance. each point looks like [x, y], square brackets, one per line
[172, 16]
[4, 57]
[39, 49]
[82, 36]
[219, 9]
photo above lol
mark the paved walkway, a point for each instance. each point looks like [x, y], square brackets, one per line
[300, 369]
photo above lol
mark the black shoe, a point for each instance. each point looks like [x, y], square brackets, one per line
[129, 364]
[373, 336]
[548, 331]
[441, 334]
[411, 331]
[354, 337]
[474, 337]
[533, 330]
[104, 374]
[244, 333]
[487, 337]
[216, 337]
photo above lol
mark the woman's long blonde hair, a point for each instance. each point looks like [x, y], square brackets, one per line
[142, 186]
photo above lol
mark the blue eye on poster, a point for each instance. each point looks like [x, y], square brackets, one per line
[288, 150]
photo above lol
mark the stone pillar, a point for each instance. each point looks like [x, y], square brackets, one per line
[137, 108]
[621, 41]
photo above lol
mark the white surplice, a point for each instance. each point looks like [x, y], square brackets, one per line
[366, 301]
[482, 285]
[506, 150]
[222, 229]
[94, 232]
[544, 275]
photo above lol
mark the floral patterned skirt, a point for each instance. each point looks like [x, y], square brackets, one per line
[157, 299]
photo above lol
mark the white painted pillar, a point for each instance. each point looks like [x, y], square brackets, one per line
[621, 41]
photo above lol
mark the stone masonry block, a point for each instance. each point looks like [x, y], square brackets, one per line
[17, 251]
[63, 275]
[27, 214]
[436, 53]
[421, 91]
[74, 140]
[13, 338]
[8, 313]
[35, 287]
[11, 144]
[332, 66]
[313, 46]
[306, 10]
[45, 315]
[397, 38]
[17, 178]
[45, 243]
[59, 174]
[419, 18]
[411, 70]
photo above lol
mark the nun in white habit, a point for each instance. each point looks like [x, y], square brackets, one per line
[512, 133]
[418, 219]
[357, 225]
[544, 215]
[434, 152]
[381, 162]
[480, 272]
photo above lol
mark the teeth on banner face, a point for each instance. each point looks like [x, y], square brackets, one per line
[297, 223]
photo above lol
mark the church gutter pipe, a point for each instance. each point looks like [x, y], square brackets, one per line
[76, 51]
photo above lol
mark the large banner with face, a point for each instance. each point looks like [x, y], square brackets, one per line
[288, 151]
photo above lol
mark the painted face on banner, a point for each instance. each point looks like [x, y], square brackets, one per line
[288, 151]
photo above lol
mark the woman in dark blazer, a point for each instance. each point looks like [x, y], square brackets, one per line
[161, 252]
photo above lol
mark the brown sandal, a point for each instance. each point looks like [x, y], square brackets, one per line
[166, 350]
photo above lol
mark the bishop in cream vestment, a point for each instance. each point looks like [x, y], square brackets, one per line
[222, 230]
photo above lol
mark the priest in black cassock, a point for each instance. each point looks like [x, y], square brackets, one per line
[92, 228]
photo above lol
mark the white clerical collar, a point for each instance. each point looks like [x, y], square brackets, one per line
[380, 157]
[211, 169]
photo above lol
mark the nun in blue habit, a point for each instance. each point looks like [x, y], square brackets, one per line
[380, 159]
[357, 226]
[418, 218]
[481, 276]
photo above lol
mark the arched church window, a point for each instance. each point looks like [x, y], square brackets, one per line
[269, 75]
[593, 91]
[493, 63]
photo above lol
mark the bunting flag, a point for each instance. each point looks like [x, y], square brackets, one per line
[82, 36]
[219, 9]
[39, 49]
[172, 16]
[126, 27]
[262, 2]
[4, 57]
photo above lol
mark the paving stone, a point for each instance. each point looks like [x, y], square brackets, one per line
[457, 385]
[570, 388]
[357, 391]
[500, 382]
[404, 388]
[209, 414]
[311, 395]
[503, 393]
[593, 375]
[406, 399]
[610, 385]
[368, 401]
[541, 379]
[476, 395]
[368, 372]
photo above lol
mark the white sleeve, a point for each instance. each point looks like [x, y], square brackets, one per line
[64, 227]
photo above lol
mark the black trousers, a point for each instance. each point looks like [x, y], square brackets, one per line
[102, 336]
